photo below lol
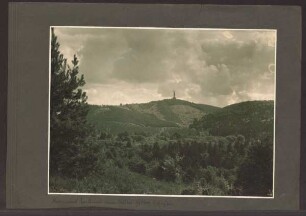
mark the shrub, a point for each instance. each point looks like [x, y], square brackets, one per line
[136, 164]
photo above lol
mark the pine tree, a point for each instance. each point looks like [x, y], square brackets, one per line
[71, 153]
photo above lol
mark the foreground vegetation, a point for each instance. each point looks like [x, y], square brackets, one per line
[168, 164]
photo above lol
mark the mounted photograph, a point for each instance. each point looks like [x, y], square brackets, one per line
[143, 111]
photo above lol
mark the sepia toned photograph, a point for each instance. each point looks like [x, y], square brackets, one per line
[162, 111]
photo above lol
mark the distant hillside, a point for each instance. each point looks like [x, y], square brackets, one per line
[250, 119]
[147, 116]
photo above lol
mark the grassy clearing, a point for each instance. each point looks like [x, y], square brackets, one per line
[114, 181]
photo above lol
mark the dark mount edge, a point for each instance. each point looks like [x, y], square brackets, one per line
[3, 98]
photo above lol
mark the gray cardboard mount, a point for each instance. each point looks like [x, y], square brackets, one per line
[27, 159]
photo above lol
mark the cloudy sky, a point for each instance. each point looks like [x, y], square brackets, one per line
[216, 67]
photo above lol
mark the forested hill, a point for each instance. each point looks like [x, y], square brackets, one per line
[149, 116]
[251, 119]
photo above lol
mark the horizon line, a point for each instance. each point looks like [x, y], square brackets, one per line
[124, 104]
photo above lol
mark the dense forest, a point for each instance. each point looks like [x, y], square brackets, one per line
[162, 147]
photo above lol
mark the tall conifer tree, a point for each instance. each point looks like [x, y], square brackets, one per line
[70, 153]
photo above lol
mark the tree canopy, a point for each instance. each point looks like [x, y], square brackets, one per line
[69, 131]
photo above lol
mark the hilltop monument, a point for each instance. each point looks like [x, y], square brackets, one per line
[174, 95]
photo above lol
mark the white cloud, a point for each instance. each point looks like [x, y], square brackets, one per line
[227, 34]
[206, 66]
